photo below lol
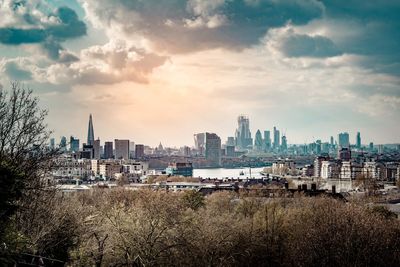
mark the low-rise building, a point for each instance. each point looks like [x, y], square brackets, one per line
[107, 170]
[140, 168]
[285, 166]
[317, 165]
[67, 167]
[180, 169]
[350, 170]
[307, 170]
[330, 169]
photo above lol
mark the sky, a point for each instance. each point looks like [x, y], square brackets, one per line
[161, 70]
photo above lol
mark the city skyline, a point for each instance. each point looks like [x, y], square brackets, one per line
[161, 71]
[342, 139]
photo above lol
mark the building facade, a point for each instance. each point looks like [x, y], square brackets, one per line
[213, 149]
[121, 149]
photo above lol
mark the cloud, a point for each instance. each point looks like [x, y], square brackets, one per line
[25, 23]
[15, 72]
[370, 30]
[291, 44]
[185, 26]
[111, 63]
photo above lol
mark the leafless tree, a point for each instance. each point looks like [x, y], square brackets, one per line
[24, 156]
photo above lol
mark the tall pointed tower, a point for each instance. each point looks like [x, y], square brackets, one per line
[90, 136]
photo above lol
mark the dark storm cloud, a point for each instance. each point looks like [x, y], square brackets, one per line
[378, 31]
[12, 36]
[299, 45]
[48, 36]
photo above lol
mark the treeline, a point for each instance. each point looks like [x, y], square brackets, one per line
[149, 228]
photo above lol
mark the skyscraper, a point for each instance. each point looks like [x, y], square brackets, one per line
[358, 140]
[243, 135]
[267, 140]
[276, 138]
[90, 136]
[230, 141]
[284, 143]
[199, 142]
[96, 149]
[73, 144]
[213, 149]
[139, 151]
[343, 139]
[108, 150]
[63, 144]
[121, 149]
[131, 150]
[258, 141]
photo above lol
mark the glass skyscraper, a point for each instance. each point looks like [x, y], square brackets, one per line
[90, 136]
[243, 135]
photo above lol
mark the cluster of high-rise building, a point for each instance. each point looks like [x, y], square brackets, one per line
[208, 150]
[209, 146]
[243, 141]
[118, 149]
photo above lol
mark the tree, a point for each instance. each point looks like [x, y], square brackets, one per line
[193, 199]
[24, 157]
[367, 183]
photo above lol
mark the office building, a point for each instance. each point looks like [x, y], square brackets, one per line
[131, 150]
[199, 142]
[213, 149]
[87, 152]
[121, 149]
[371, 146]
[230, 151]
[325, 147]
[230, 141]
[267, 140]
[284, 144]
[96, 149]
[90, 136]
[108, 150]
[63, 144]
[358, 140]
[73, 144]
[139, 151]
[343, 139]
[258, 142]
[276, 144]
[243, 138]
[318, 147]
